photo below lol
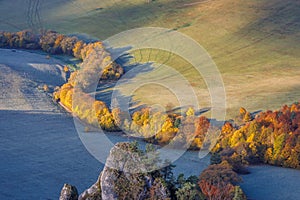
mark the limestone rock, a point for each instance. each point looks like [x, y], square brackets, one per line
[125, 177]
[68, 192]
[92, 193]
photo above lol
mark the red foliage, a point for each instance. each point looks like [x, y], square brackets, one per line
[216, 191]
[217, 181]
[202, 126]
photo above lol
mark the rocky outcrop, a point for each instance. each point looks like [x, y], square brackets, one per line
[94, 192]
[125, 177]
[68, 192]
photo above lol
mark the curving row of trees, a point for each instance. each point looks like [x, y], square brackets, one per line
[271, 137]
[97, 65]
[84, 106]
[155, 127]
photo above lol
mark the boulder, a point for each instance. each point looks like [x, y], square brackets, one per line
[68, 192]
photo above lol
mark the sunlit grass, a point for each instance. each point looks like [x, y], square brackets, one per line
[255, 44]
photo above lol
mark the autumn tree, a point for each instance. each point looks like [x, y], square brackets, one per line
[190, 112]
[78, 46]
[242, 112]
[247, 117]
[217, 181]
[227, 128]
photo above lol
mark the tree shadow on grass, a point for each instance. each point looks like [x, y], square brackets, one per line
[108, 90]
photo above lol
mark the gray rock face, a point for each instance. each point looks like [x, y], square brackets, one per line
[107, 182]
[94, 192]
[68, 192]
[125, 177]
[125, 158]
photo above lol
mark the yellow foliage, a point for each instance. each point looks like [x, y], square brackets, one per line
[63, 94]
[72, 79]
[67, 86]
[247, 117]
[77, 49]
[167, 133]
[190, 112]
[227, 128]
[250, 138]
[106, 62]
[56, 95]
[197, 142]
[236, 138]
[58, 40]
[98, 44]
[253, 148]
[242, 111]
[85, 107]
[269, 155]
[68, 99]
[89, 48]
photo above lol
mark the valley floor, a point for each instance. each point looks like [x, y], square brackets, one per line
[273, 183]
[41, 150]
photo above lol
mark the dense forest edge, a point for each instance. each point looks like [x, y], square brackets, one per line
[270, 137]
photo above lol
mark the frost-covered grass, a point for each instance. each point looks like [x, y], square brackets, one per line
[41, 150]
[269, 182]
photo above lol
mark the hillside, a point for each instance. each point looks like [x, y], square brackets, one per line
[254, 44]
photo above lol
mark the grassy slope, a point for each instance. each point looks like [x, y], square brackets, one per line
[254, 43]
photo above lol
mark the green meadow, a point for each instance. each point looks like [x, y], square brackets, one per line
[255, 44]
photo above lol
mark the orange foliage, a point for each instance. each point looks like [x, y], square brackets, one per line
[217, 191]
[272, 137]
[202, 126]
[58, 40]
[242, 111]
[66, 68]
[227, 128]
[217, 181]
